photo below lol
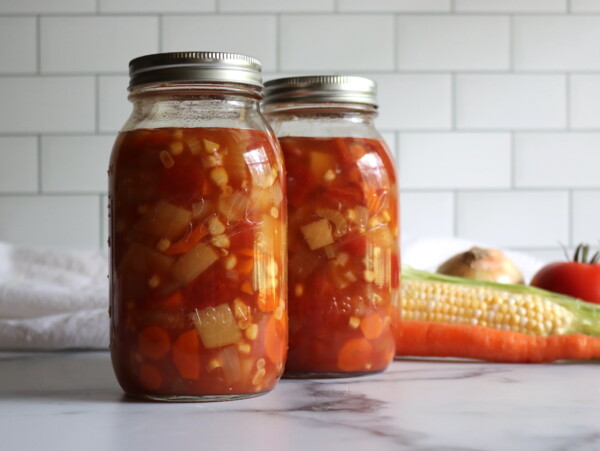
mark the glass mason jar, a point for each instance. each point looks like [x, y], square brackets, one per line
[343, 256]
[197, 233]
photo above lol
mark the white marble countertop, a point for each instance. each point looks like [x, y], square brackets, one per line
[71, 401]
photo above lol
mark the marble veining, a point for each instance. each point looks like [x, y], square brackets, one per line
[71, 401]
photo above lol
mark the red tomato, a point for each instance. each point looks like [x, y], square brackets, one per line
[580, 280]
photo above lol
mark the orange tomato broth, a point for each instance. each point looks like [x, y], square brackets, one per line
[198, 290]
[343, 256]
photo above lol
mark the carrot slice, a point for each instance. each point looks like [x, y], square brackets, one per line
[174, 300]
[354, 355]
[185, 355]
[188, 241]
[150, 377]
[275, 343]
[154, 342]
[371, 326]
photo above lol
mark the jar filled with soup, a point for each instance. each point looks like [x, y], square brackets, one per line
[197, 233]
[343, 256]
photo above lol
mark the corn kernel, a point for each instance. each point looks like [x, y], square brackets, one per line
[176, 148]
[329, 175]
[385, 216]
[213, 364]
[244, 348]
[166, 159]
[260, 364]
[154, 281]
[163, 244]
[220, 241]
[251, 332]
[229, 262]
[219, 177]
[298, 289]
[178, 134]
[354, 322]
[369, 275]
[274, 212]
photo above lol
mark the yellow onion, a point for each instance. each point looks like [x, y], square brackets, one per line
[482, 264]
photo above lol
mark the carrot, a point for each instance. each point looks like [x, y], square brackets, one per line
[275, 341]
[188, 241]
[173, 300]
[354, 354]
[154, 342]
[371, 326]
[185, 355]
[423, 338]
[150, 377]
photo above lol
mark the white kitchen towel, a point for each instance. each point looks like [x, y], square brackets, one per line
[52, 299]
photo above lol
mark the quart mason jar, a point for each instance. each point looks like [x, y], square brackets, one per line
[197, 233]
[343, 256]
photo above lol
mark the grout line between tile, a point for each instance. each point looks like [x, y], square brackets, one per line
[513, 160]
[39, 164]
[38, 38]
[568, 101]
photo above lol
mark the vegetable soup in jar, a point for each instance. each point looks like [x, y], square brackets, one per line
[343, 256]
[197, 233]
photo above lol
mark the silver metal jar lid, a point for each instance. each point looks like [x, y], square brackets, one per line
[211, 67]
[321, 88]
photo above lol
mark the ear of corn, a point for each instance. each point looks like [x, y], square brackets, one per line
[439, 298]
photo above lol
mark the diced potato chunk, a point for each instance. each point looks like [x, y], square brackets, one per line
[165, 220]
[217, 326]
[193, 263]
[381, 236]
[341, 225]
[317, 234]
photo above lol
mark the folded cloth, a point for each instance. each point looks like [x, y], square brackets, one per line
[52, 299]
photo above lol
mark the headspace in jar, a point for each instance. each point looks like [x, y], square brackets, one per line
[198, 277]
[343, 257]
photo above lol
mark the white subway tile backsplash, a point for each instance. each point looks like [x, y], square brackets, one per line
[586, 218]
[553, 160]
[395, 5]
[113, 106]
[46, 6]
[556, 43]
[75, 163]
[585, 6]
[156, 6]
[453, 43]
[510, 101]
[244, 6]
[51, 221]
[47, 104]
[427, 214]
[511, 6]
[414, 101]
[337, 43]
[18, 45]
[251, 35]
[515, 218]
[584, 101]
[455, 160]
[95, 44]
[18, 164]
